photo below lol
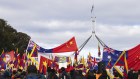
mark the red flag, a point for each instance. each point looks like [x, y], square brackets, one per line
[21, 60]
[134, 58]
[69, 68]
[43, 64]
[69, 46]
[9, 56]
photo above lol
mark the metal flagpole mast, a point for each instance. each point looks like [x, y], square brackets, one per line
[93, 18]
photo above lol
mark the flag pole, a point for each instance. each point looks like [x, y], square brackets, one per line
[119, 71]
[28, 46]
[126, 64]
[93, 18]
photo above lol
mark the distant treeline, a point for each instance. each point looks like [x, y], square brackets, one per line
[10, 39]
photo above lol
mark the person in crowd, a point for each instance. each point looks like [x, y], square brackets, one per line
[2, 74]
[135, 74]
[64, 74]
[130, 74]
[41, 75]
[72, 74]
[18, 74]
[104, 75]
[80, 75]
[116, 74]
[48, 71]
[98, 74]
[91, 74]
[52, 75]
[32, 72]
[138, 74]
[7, 74]
[13, 74]
[23, 75]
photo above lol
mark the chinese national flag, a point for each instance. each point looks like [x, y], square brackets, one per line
[69, 46]
[43, 64]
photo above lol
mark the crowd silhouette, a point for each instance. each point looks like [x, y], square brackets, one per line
[33, 73]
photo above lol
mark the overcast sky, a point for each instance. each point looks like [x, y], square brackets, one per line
[53, 22]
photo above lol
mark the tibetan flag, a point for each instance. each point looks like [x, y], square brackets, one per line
[69, 68]
[33, 48]
[21, 62]
[2, 54]
[82, 61]
[67, 59]
[15, 63]
[35, 53]
[70, 61]
[80, 66]
[68, 46]
[9, 56]
[31, 45]
[2, 61]
[2, 64]
[133, 59]
[89, 56]
[75, 56]
[16, 53]
[56, 59]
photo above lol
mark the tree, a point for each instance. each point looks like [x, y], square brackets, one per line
[10, 39]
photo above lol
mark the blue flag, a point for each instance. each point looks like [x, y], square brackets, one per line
[110, 56]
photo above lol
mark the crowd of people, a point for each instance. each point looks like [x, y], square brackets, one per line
[133, 74]
[33, 73]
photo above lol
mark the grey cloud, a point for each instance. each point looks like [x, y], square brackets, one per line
[117, 21]
[118, 12]
[119, 37]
